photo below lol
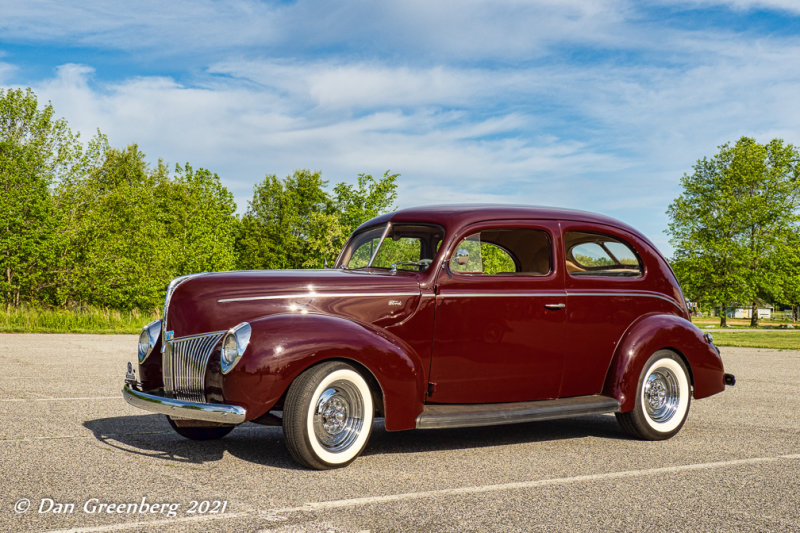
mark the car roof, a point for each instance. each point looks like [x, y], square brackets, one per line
[458, 215]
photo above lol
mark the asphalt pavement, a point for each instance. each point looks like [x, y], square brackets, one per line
[74, 456]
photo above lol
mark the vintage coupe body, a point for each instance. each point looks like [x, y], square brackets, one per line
[433, 317]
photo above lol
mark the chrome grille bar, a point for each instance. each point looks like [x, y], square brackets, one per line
[184, 365]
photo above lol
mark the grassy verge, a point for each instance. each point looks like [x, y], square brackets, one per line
[734, 323]
[774, 339]
[88, 320]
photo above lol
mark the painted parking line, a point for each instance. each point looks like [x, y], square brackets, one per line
[86, 436]
[154, 523]
[281, 514]
[78, 399]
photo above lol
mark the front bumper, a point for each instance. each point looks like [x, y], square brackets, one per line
[209, 412]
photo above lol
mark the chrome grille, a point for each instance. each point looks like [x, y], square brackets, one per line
[184, 365]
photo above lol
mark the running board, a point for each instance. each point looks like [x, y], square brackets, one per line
[438, 416]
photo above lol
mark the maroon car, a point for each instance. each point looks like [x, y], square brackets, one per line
[433, 317]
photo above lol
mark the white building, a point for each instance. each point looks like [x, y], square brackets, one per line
[741, 312]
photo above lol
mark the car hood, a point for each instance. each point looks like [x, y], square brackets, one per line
[218, 301]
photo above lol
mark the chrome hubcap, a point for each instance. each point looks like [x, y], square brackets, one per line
[334, 413]
[661, 395]
[338, 416]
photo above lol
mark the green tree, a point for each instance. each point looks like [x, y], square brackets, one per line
[733, 220]
[128, 229]
[281, 218]
[200, 215]
[115, 243]
[296, 223]
[368, 199]
[787, 267]
[36, 151]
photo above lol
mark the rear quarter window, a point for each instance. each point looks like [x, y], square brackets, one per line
[597, 254]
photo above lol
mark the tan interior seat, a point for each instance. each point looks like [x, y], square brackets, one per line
[572, 267]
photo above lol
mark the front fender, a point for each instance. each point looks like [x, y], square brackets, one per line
[282, 346]
[655, 332]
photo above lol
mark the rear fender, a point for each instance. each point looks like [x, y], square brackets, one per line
[655, 332]
[282, 346]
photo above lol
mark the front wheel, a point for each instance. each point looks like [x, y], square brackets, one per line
[327, 416]
[663, 396]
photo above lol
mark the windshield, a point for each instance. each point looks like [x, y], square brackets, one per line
[409, 247]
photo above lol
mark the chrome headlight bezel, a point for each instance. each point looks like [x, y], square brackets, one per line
[148, 339]
[233, 346]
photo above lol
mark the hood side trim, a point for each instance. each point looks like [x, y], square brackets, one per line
[312, 295]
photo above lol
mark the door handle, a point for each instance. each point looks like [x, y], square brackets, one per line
[555, 307]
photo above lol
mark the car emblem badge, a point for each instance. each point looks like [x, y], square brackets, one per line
[395, 302]
[170, 335]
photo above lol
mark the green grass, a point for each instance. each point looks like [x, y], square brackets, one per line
[713, 322]
[739, 333]
[774, 339]
[84, 320]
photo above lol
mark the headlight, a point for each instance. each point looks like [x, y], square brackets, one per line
[148, 338]
[234, 343]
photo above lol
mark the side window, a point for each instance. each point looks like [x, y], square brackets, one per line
[595, 254]
[504, 252]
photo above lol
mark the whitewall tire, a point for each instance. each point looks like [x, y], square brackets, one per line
[663, 396]
[328, 415]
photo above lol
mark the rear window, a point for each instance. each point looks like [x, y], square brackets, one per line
[596, 254]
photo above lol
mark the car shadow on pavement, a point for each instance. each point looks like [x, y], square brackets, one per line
[597, 426]
[151, 436]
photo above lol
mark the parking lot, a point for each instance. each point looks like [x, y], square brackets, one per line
[76, 457]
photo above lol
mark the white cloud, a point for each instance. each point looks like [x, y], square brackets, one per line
[790, 6]
[7, 71]
[364, 85]
[179, 24]
[460, 29]
[635, 129]
[244, 132]
[470, 101]
[470, 30]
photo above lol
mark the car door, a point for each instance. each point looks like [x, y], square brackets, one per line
[500, 318]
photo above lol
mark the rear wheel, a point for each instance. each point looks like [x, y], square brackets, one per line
[198, 430]
[327, 416]
[663, 396]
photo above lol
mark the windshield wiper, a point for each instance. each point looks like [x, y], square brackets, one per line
[421, 263]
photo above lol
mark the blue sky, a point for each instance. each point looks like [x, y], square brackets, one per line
[598, 105]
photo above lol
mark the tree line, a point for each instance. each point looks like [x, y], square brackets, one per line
[736, 228]
[93, 225]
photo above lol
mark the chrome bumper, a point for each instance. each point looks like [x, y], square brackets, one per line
[209, 412]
